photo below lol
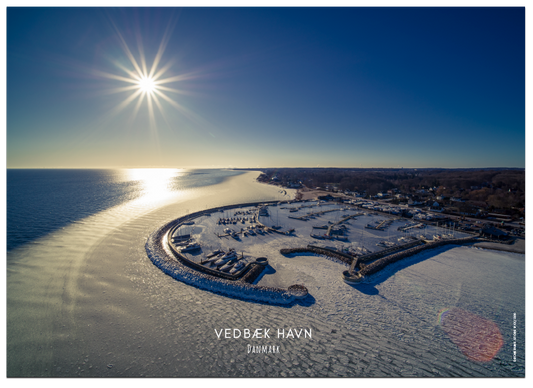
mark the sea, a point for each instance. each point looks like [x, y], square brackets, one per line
[83, 299]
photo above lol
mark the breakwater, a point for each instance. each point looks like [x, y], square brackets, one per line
[167, 259]
[379, 264]
[319, 251]
[384, 252]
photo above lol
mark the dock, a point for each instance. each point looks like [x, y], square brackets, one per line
[307, 216]
[330, 228]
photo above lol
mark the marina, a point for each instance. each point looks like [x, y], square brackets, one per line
[244, 244]
[265, 191]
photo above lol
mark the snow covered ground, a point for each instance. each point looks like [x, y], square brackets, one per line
[212, 235]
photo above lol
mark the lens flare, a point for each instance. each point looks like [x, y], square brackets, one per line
[478, 338]
[147, 85]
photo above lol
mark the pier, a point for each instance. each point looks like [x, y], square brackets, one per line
[330, 228]
[382, 225]
[308, 216]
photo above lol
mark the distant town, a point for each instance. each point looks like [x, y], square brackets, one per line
[477, 198]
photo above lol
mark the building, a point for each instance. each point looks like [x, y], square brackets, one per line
[414, 202]
[492, 232]
[435, 207]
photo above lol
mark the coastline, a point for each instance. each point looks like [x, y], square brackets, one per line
[93, 288]
[292, 193]
[518, 246]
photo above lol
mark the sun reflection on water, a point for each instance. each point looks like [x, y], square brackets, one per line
[156, 183]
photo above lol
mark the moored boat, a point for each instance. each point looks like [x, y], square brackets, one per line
[190, 247]
[236, 267]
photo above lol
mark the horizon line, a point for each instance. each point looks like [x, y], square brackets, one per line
[262, 168]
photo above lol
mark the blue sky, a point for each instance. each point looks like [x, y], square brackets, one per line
[266, 87]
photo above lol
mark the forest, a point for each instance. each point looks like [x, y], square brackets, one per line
[494, 189]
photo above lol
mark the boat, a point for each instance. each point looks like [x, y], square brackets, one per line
[182, 243]
[386, 244]
[231, 253]
[215, 253]
[213, 259]
[230, 265]
[222, 261]
[227, 257]
[190, 247]
[236, 267]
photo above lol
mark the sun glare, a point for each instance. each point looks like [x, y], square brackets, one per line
[147, 85]
[155, 182]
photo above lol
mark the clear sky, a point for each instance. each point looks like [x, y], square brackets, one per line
[265, 87]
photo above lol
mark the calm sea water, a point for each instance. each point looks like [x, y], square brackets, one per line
[42, 201]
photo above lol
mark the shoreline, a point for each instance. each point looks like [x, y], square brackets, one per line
[108, 299]
[291, 193]
[518, 246]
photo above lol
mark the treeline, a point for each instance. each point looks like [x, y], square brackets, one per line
[498, 188]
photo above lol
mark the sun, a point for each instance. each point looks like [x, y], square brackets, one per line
[147, 84]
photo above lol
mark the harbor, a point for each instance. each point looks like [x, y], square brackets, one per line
[248, 245]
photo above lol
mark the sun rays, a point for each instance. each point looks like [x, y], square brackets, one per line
[147, 86]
